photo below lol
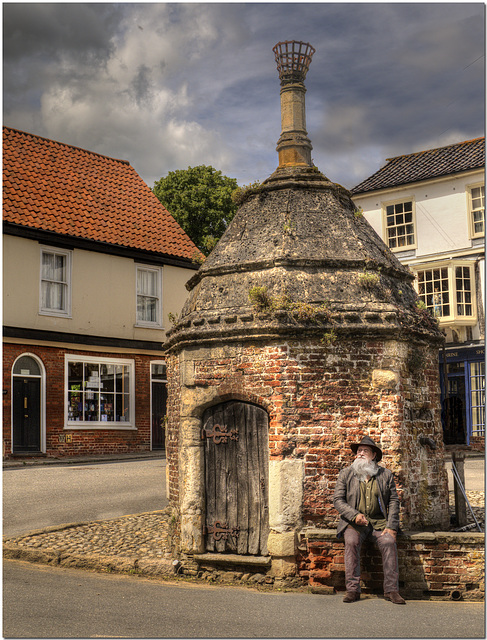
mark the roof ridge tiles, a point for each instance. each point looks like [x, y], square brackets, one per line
[65, 144]
[74, 192]
[428, 164]
[446, 146]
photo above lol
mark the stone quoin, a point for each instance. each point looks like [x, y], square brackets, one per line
[300, 335]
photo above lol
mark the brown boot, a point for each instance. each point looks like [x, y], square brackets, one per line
[351, 596]
[394, 597]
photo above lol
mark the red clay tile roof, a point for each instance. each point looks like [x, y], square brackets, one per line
[424, 165]
[55, 187]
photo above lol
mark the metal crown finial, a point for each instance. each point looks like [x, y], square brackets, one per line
[293, 59]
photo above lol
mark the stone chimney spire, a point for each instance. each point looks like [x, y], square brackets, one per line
[293, 59]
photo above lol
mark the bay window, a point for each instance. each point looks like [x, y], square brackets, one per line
[447, 289]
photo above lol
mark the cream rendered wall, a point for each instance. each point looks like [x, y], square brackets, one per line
[21, 262]
[174, 291]
[103, 293]
[442, 218]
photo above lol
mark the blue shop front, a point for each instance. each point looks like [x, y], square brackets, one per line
[462, 376]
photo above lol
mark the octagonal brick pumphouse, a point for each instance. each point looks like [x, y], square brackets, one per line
[301, 334]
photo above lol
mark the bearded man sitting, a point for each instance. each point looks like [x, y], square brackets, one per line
[367, 501]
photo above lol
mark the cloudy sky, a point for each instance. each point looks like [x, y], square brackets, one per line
[171, 85]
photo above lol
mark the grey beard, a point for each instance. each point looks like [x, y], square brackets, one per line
[363, 468]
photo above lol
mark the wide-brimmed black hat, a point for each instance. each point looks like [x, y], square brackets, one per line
[367, 442]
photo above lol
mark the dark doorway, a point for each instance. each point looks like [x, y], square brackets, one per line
[236, 478]
[26, 415]
[159, 405]
[455, 431]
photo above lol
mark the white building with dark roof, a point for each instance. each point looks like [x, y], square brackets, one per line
[429, 208]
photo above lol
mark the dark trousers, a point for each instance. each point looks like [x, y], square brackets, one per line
[388, 549]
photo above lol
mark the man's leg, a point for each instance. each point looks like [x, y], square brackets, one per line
[353, 543]
[390, 565]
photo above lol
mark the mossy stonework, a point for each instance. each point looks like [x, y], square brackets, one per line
[379, 374]
[280, 316]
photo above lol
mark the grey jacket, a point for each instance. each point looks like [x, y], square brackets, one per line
[347, 496]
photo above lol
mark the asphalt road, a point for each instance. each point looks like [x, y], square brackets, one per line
[44, 602]
[42, 496]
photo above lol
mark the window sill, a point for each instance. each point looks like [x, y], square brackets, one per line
[458, 322]
[149, 326]
[410, 252]
[77, 426]
[55, 314]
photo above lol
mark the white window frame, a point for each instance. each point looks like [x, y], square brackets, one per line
[454, 318]
[385, 228]
[477, 397]
[128, 425]
[46, 311]
[156, 324]
[471, 224]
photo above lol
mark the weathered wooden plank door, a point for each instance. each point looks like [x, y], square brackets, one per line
[236, 478]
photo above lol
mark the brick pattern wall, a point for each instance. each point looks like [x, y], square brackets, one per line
[320, 398]
[84, 441]
[477, 443]
[431, 565]
[172, 431]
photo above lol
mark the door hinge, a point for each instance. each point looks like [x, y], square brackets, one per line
[219, 434]
[221, 531]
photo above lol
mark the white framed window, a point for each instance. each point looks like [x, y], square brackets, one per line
[100, 393]
[399, 225]
[55, 282]
[149, 296]
[476, 207]
[448, 291]
[477, 390]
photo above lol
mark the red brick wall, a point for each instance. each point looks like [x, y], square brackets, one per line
[432, 565]
[84, 441]
[172, 431]
[320, 398]
[478, 443]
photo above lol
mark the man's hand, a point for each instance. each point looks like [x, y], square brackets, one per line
[391, 532]
[361, 520]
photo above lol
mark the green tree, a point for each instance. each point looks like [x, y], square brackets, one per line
[200, 199]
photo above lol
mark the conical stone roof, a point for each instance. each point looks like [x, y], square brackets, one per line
[298, 259]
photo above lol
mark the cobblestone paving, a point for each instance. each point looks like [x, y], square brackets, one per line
[477, 502]
[141, 535]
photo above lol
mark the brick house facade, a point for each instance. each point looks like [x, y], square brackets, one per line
[93, 265]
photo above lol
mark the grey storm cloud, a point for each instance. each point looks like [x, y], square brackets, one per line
[171, 85]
